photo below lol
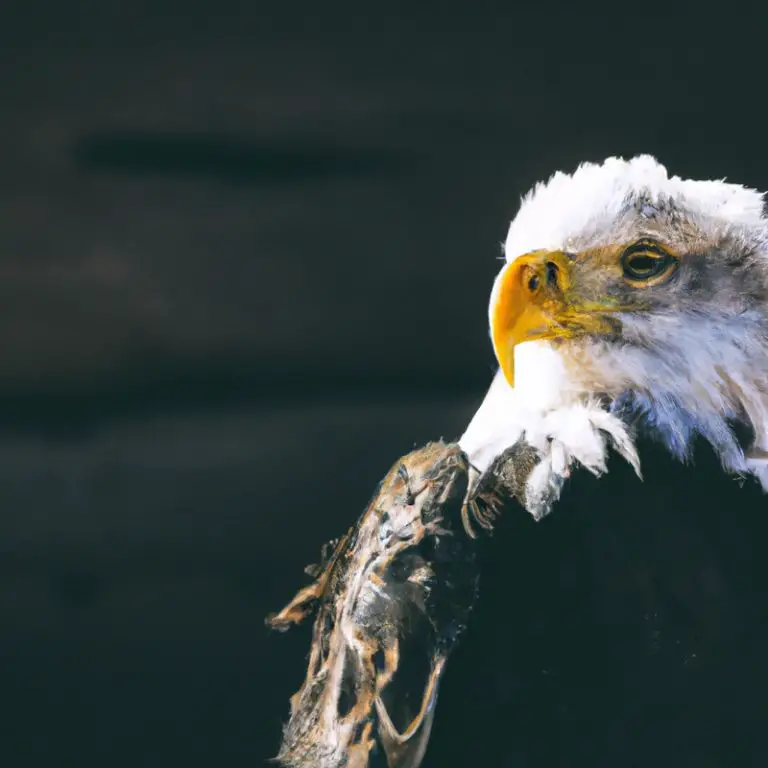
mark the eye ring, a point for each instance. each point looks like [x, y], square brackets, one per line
[646, 263]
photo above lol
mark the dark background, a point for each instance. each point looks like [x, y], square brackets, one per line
[245, 255]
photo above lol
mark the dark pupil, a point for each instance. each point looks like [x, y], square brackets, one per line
[643, 264]
[552, 272]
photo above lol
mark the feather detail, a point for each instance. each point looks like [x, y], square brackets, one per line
[690, 363]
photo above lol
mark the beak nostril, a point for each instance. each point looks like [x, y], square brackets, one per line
[552, 273]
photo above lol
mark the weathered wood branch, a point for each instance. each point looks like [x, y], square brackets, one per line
[392, 598]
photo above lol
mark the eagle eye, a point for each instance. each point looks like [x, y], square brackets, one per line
[647, 263]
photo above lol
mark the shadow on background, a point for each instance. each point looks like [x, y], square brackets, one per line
[228, 159]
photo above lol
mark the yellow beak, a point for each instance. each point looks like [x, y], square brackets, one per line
[532, 300]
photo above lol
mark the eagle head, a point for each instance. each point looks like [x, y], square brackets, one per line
[641, 295]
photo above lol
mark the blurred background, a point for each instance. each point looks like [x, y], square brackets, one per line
[245, 255]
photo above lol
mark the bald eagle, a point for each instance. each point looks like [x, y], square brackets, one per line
[631, 627]
[630, 301]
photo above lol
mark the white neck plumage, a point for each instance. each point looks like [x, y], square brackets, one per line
[556, 412]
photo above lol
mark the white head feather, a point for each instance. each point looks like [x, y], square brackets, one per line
[687, 370]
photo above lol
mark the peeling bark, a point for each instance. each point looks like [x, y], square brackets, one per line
[393, 597]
